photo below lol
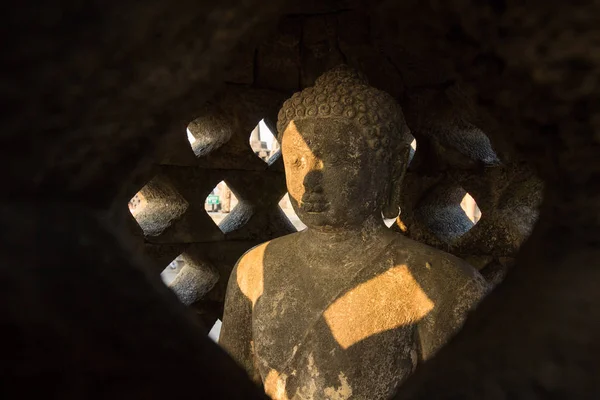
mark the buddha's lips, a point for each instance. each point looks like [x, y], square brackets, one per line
[315, 207]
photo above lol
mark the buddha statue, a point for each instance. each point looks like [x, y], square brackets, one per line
[346, 308]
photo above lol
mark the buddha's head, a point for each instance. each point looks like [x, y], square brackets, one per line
[345, 147]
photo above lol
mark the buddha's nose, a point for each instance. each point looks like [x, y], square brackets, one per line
[313, 182]
[314, 163]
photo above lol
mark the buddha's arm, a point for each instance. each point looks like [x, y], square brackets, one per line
[236, 330]
[461, 290]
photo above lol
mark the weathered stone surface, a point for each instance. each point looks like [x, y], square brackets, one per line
[195, 280]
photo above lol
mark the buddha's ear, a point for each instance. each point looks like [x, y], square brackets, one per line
[398, 165]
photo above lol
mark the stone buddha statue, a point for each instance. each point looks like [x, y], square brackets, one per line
[346, 308]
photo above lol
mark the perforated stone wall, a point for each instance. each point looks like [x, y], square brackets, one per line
[174, 221]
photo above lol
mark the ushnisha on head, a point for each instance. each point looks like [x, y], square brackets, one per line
[344, 143]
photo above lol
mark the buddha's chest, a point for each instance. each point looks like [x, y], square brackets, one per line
[323, 332]
[287, 316]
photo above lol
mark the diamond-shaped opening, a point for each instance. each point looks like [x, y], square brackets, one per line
[389, 222]
[208, 133]
[215, 331]
[263, 143]
[413, 150]
[286, 207]
[220, 202]
[470, 208]
[157, 206]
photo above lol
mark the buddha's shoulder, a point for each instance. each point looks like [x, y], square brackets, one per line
[249, 272]
[252, 267]
[433, 267]
[256, 257]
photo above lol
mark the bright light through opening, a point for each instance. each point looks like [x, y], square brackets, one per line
[266, 135]
[190, 137]
[470, 208]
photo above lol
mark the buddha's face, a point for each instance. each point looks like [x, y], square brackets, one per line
[332, 176]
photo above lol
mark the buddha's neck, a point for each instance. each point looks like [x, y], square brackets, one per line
[365, 233]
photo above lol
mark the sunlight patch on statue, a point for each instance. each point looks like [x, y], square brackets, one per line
[250, 273]
[299, 160]
[390, 300]
[275, 385]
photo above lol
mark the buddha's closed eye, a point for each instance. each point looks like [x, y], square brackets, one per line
[297, 162]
